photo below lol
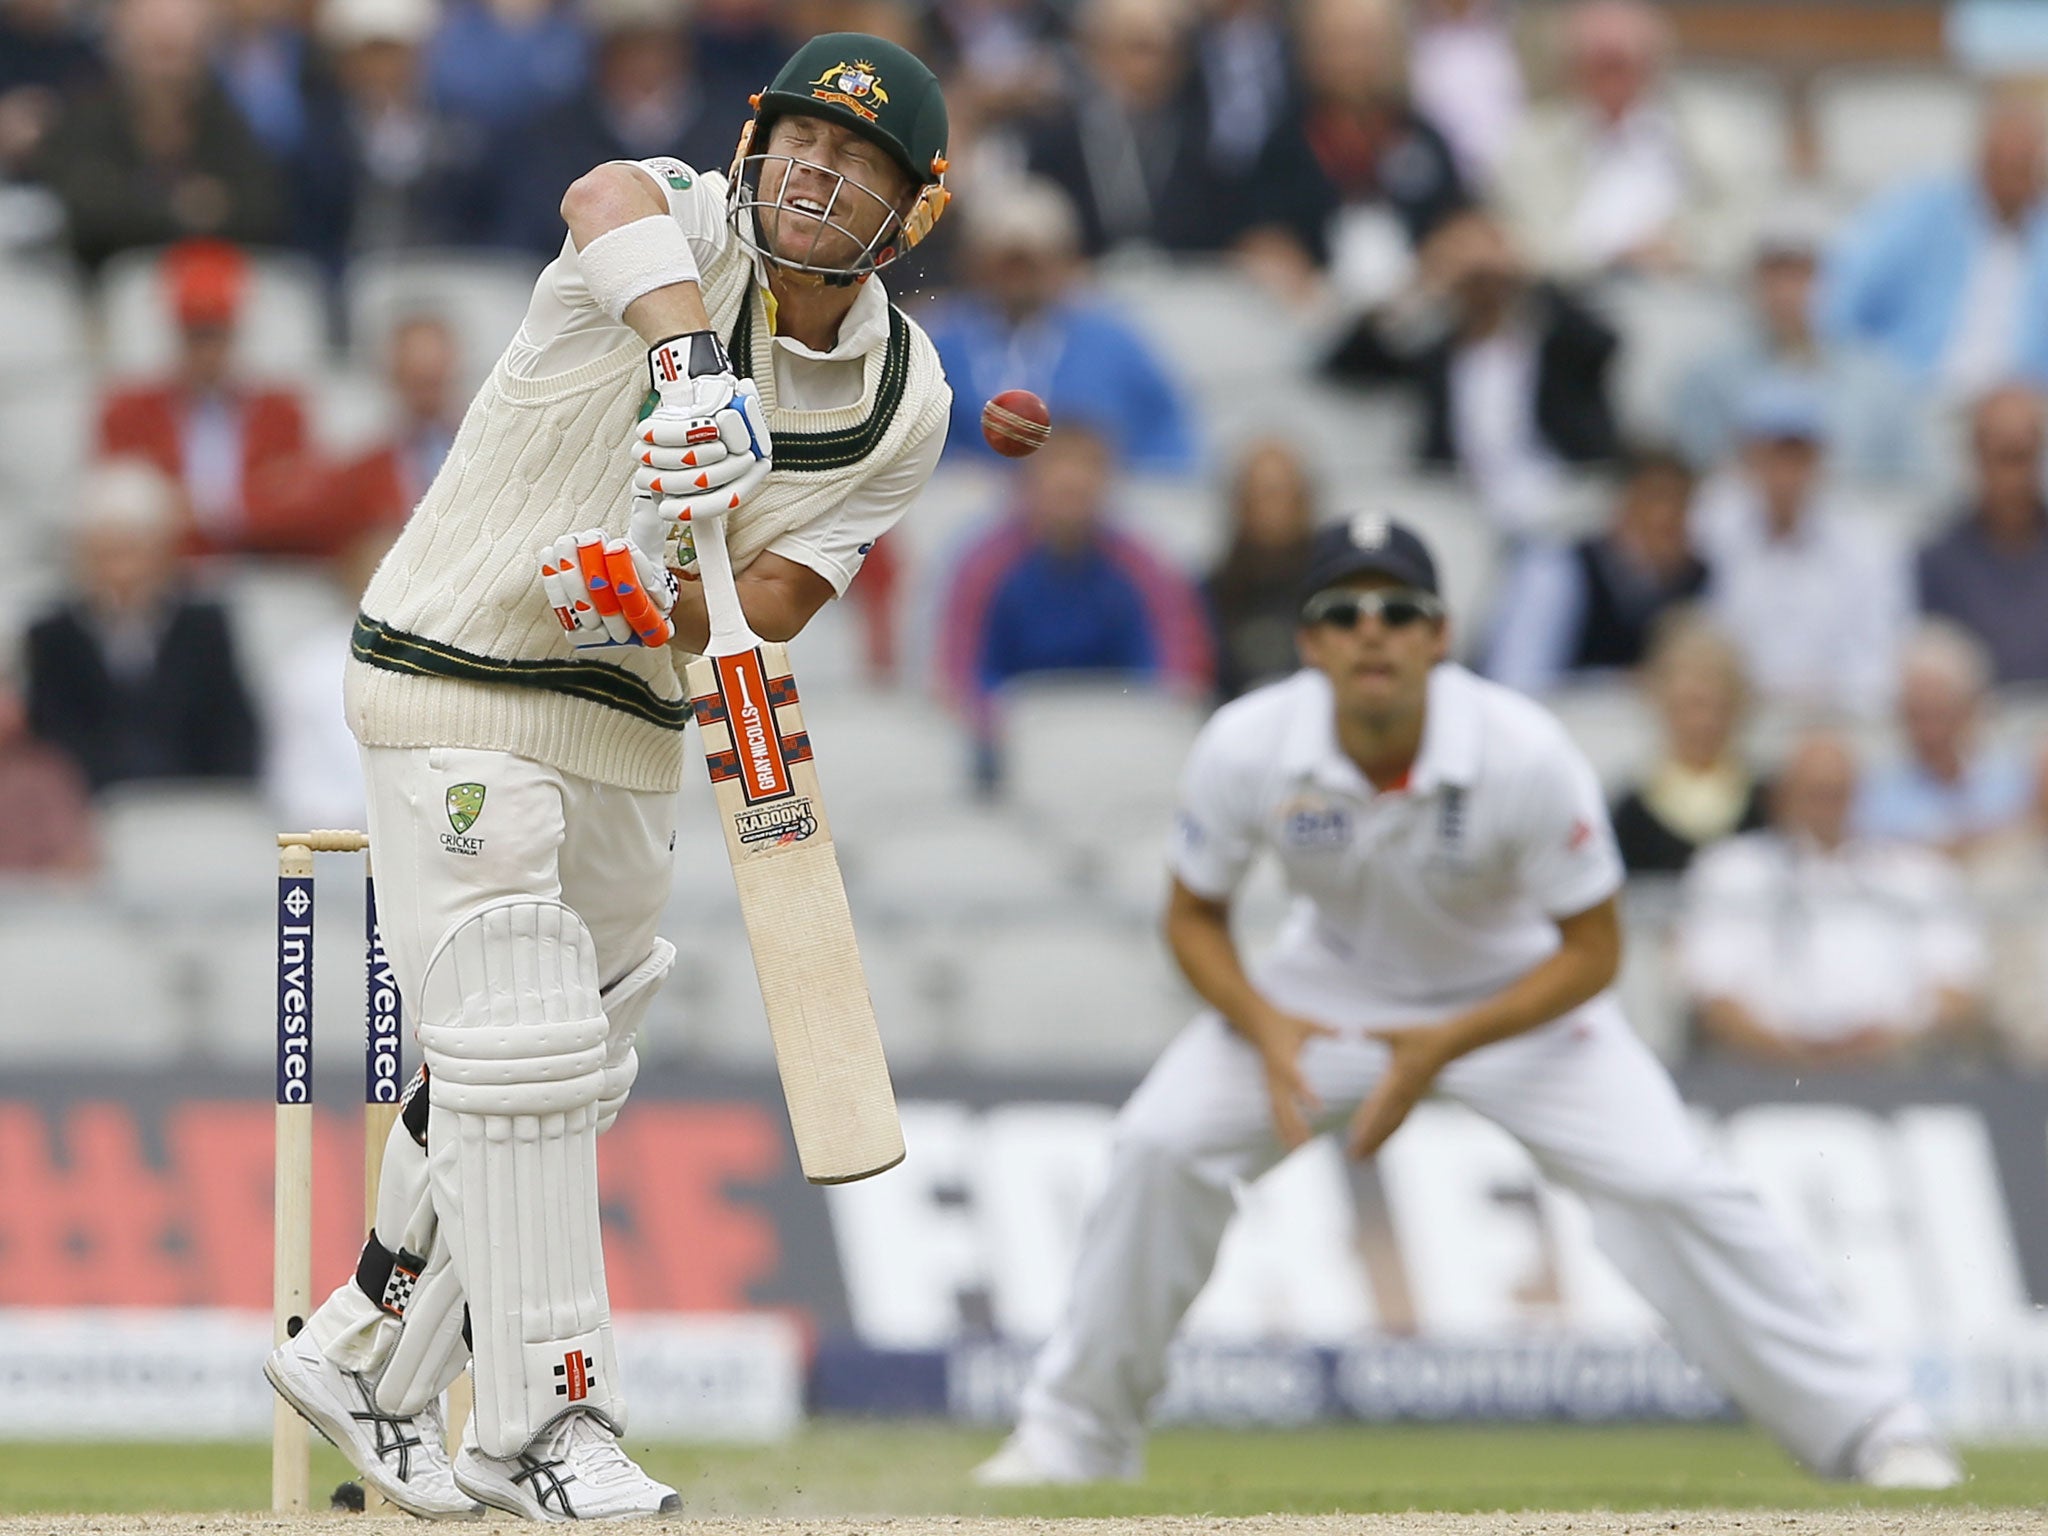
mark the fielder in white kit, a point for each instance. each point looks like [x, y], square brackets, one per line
[704, 348]
[1454, 931]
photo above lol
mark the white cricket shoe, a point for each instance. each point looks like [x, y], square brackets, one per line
[1926, 1466]
[574, 1470]
[406, 1460]
[1902, 1450]
[1030, 1463]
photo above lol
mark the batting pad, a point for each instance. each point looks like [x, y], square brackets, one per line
[626, 1002]
[514, 1035]
[430, 1351]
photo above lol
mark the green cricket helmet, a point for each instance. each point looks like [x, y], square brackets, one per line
[882, 92]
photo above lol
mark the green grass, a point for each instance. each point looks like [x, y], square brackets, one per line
[851, 1468]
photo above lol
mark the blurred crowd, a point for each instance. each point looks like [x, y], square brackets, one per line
[1483, 211]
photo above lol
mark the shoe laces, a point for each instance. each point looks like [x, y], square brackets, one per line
[433, 1432]
[593, 1451]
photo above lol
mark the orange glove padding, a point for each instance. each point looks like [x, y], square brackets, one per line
[607, 593]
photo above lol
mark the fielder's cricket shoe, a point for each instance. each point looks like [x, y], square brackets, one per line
[573, 1471]
[1023, 1462]
[1926, 1466]
[406, 1460]
[1902, 1450]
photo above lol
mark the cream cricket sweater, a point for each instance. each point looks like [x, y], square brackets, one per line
[456, 645]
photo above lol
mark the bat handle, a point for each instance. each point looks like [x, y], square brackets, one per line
[730, 633]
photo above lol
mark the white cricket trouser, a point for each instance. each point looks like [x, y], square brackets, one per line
[1599, 1115]
[603, 852]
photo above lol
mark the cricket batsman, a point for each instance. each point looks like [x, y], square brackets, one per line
[1454, 931]
[705, 349]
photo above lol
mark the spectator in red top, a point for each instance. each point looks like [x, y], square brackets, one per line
[238, 453]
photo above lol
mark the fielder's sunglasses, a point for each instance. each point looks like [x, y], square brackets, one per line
[1395, 607]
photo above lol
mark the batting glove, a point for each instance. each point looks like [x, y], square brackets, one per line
[705, 447]
[607, 593]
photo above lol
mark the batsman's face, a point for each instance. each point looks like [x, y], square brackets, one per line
[826, 192]
[1377, 667]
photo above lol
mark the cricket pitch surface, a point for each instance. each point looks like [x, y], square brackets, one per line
[1693, 1522]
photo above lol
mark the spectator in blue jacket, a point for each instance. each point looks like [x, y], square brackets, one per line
[502, 62]
[1053, 587]
[1951, 788]
[1874, 420]
[1951, 274]
[1024, 322]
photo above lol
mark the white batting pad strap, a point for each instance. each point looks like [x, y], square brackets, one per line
[626, 1002]
[431, 1350]
[533, 1070]
[633, 260]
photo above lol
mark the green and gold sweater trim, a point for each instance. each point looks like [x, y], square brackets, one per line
[379, 645]
[849, 445]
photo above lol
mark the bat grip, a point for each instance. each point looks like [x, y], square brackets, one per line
[730, 633]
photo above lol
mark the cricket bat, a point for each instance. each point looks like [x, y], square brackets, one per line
[842, 1107]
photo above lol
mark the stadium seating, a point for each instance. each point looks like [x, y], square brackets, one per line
[1666, 325]
[1015, 935]
[1607, 719]
[84, 984]
[882, 754]
[185, 852]
[944, 867]
[1746, 102]
[1072, 994]
[482, 295]
[1877, 126]
[272, 605]
[45, 399]
[1086, 760]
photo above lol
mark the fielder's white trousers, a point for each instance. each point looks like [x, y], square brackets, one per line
[1600, 1116]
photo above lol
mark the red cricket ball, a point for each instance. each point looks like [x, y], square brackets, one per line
[1015, 423]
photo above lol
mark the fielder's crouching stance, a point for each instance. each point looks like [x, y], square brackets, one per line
[703, 349]
[1454, 930]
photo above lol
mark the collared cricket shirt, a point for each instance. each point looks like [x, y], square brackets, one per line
[1411, 901]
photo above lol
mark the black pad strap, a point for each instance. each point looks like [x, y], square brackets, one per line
[387, 1278]
[413, 1106]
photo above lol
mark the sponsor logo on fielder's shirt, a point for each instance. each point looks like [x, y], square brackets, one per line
[1451, 818]
[464, 803]
[1312, 824]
